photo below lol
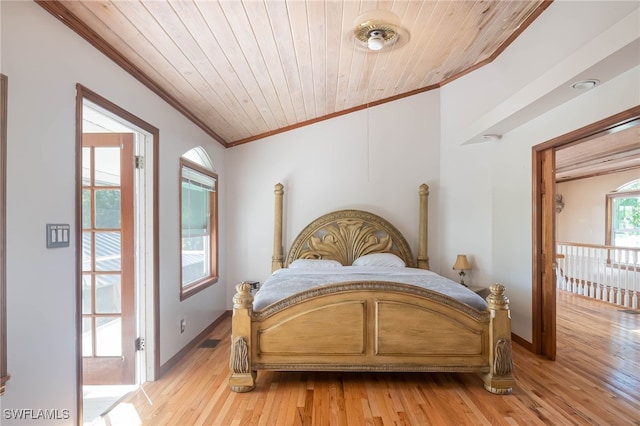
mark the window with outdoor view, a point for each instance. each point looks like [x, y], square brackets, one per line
[623, 216]
[199, 224]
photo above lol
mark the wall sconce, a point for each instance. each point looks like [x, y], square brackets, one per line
[559, 203]
[461, 264]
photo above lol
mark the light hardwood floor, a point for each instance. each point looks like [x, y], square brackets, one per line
[595, 380]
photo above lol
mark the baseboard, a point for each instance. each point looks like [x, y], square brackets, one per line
[192, 344]
[519, 340]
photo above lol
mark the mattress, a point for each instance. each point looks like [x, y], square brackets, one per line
[288, 281]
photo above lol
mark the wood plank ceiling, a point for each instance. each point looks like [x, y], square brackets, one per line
[612, 151]
[246, 69]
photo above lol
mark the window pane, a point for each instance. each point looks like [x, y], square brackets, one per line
[107, 166]
[86, 294]
[108, 208]
[108, 294]
[87, 337]
[199, 179]
[108, 336]
[108, 251]
[195, 210]
[86, 251]
[626, 221]
[86, 166]
[86, 209]
[198, 227]
[195, 259]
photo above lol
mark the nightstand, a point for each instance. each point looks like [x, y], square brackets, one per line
[481, 291]
[255, 285]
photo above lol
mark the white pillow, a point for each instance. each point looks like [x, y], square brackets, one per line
[379, 259]
[315, 264]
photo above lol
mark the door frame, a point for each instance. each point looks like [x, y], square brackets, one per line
[543, 291]
[152, 263]
[4, 375]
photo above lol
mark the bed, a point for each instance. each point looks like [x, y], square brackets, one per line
[350, 296]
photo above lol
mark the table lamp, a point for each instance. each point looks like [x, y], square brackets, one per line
[461, 264]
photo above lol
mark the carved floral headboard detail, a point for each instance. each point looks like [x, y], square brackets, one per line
[345, 235]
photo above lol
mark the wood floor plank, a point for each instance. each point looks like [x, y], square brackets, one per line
[595, 380]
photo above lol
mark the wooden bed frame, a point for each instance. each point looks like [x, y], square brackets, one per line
[367, 325]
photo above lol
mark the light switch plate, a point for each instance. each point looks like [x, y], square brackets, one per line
[58, 235]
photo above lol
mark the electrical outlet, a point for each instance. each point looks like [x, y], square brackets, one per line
[183, 325]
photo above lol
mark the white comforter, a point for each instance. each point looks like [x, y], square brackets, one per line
[288, 281]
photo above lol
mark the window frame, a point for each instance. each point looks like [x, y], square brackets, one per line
[609, 212]
[192, 288]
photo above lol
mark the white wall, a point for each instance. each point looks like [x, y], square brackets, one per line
[583, 218]
[480, 201]
[44, 60]
[372, 159]
[497, 175]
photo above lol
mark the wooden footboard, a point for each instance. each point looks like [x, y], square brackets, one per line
[371, 326]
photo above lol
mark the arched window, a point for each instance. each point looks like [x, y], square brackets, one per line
[199, 222]
[623, 216]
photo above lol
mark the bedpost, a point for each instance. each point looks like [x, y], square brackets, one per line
[423, 256]
[277, 259]
[243, 377]
[500, 379]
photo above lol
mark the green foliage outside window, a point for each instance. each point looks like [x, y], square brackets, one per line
[625, 209]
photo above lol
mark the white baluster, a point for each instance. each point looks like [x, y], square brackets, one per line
[602, 293]
[615, 276]
[578, 270]
[608, 290]
[570, 271]
[565, 272]
[559, 266]
[584, 264]
[596, 271]
[593, 272]
[635, 280]
[575, 268]
[624, 285]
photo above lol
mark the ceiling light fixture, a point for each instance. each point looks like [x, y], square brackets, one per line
[585, 84]
[377, 29]
[376, 34]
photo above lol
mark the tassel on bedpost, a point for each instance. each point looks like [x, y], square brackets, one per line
[500, 378]
[243, 377]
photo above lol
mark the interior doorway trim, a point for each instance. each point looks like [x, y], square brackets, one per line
[4, 375]
[544, 307]
[82, 94]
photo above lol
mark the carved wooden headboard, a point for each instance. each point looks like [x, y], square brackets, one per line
[345, 235]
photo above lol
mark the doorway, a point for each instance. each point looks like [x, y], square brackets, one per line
[544, 261]
[117, 323]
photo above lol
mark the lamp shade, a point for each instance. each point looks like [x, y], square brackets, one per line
[461, 262]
